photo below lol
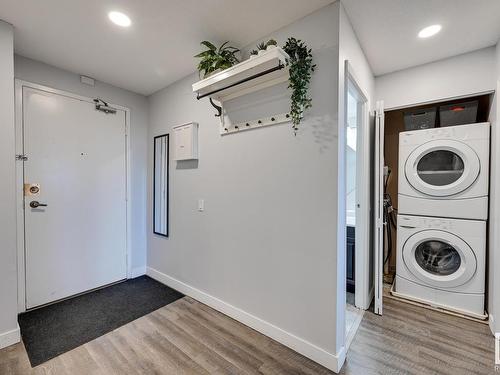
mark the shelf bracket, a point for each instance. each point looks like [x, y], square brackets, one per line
[217, 107]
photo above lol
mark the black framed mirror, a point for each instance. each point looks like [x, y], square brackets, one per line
[160, 184]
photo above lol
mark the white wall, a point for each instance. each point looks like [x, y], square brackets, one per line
[465, 74]
[9, 333]
[264, 250]
[494, 216]
[37, 72]
[350, 50]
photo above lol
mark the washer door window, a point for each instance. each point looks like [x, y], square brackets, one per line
[439, 259]
[442, 168]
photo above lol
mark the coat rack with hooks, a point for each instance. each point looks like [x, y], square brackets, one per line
[254, 124]
[254, 74]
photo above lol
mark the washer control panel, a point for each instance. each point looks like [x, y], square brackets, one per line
[414, 222]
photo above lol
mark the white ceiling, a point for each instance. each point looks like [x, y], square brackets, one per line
[387, 29]
[156, 50]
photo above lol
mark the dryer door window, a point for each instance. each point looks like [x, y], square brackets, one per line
[439, 259]
[442, 168]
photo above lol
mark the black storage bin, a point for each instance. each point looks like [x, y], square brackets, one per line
[420, 119]
[459, 113]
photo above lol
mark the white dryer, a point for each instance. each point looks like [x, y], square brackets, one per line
[444, 172]
[442, 262]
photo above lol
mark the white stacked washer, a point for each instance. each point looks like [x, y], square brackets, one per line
[443, 207]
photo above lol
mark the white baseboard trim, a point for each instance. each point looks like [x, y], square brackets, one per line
[138, 271]
[331, 361]
[10, 337]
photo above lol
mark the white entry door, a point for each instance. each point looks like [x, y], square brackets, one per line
[76, 156]
[378, 219]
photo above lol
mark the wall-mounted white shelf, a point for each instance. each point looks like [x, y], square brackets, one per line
[258, 72]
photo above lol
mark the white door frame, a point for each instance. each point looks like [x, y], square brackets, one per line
[21, 270]
[363, 294]
[378, 214]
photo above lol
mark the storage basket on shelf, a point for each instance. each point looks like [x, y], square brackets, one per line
[458, 114]
[424, 118]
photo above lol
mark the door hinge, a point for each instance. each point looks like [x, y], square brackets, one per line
[21, 157]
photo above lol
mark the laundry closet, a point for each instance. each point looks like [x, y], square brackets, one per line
[434, 196]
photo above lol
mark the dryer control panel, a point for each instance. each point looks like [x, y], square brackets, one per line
[460, 132]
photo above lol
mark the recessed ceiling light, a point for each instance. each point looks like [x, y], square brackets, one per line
[120, 19]
[429, 31]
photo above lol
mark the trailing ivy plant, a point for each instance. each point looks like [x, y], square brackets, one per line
[301, 67]
[213, 58]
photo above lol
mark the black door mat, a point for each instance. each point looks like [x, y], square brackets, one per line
[55, 329]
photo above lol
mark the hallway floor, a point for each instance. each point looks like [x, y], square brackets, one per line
[409, 339]
[353, 318]
[187, 337]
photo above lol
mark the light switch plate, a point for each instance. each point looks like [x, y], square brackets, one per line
[201, 205]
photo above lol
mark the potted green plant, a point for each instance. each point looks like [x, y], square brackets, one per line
[271, 43]
[261, 48]
[301, 67]
[253, 53]
[215, 59]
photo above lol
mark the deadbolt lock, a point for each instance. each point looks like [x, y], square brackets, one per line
[31, 189]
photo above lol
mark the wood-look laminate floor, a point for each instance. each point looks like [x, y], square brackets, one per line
[409, 339]
[353, 318]
[187, 337]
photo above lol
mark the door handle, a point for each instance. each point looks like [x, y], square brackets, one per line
[36, 204]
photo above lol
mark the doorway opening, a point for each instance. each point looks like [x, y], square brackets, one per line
[421, 187]
[355, 117]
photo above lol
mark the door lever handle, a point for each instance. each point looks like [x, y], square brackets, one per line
[36, 204]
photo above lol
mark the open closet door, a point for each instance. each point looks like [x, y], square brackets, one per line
[378, 238]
